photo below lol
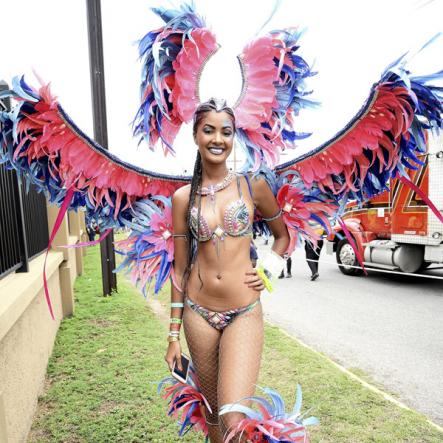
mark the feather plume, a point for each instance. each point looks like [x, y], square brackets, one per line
[172, 59]
[186, 403]
[270, 423]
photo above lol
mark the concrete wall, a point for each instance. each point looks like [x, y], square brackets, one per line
[27, 332]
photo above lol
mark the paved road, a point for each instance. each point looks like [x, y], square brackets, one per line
[391, 327]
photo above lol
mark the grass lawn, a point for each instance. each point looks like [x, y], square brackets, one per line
[101, 379]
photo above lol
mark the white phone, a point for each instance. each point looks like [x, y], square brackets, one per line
[181, 375]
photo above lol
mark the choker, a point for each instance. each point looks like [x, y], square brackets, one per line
[212, 189]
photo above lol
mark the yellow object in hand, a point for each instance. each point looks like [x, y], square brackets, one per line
[261, 273]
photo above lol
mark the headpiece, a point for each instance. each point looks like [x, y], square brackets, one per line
[272, 93]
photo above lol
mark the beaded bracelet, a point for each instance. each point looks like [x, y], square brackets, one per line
[177, 305]
[176, 321]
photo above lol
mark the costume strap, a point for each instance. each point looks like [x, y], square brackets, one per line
[249, 186]
[239, 187]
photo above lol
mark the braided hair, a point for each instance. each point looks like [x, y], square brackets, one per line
[216, 105]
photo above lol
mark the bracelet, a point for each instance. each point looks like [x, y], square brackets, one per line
[174, 333]
[172, 339]
[176, 321]
[177, 305]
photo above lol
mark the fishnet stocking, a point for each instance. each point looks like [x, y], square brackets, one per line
[227, 363]
[203, 343]
[240, 352]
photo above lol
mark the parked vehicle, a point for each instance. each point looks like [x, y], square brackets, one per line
[396, 230]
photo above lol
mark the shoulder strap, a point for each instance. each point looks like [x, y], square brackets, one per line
[249, 186]
[239, 186]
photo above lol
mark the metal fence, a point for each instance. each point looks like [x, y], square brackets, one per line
[23, 223]
[23, 220]
[36, 221]
[12, 251]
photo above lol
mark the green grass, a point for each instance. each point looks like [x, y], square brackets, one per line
[100, 379]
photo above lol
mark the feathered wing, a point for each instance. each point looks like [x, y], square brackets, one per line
[273, 93]
[41, 142]
[382, 141]
[173, 58]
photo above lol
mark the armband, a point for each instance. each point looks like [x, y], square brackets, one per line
[274, 217]
[185, 236]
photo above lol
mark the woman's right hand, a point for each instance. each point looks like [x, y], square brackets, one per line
[173, 354]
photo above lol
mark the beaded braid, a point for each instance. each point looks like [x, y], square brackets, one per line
[193, 242]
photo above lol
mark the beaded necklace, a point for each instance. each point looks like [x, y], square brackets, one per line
[212, 189]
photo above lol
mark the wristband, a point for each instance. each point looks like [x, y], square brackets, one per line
[177, 305]
[176, 321]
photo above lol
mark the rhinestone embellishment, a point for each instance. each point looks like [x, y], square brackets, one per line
[166, 234]
[219, 231]
[287, 207]
[212, 189]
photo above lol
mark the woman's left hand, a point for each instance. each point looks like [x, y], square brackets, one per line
[254, 281]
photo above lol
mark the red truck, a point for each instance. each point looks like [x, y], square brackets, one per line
[396, 230]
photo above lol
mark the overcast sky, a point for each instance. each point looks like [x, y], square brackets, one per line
[350, 41]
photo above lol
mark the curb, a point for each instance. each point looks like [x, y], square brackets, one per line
[350, 374]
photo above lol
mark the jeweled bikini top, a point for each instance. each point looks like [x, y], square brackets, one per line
[236, 221]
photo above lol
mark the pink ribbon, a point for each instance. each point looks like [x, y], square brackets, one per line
[424, 197]
[174, 281]
[353, 245]
[59, 220]
[88, 243]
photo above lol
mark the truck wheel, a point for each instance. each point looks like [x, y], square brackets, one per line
[346, 256]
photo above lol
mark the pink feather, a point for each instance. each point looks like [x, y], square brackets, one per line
[188, 66]
[75, 161]
[390, 111]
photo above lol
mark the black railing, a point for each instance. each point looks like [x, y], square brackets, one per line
[36, 220]
[12, 252]
[23, 219]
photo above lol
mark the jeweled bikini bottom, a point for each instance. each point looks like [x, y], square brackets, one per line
[220, 319]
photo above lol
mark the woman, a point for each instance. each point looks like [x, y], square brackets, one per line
[219, 300]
